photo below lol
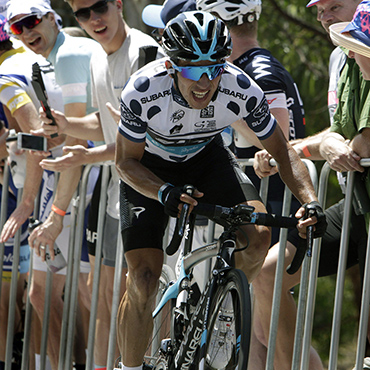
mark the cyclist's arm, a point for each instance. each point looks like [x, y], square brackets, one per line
[133, 173]
[291, 168]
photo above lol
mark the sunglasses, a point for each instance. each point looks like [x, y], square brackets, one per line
[29, 21]
[196, 72]
[100, 8]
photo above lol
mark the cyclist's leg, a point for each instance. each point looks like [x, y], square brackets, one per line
[142, 234]
[251, 259]
[134, 318]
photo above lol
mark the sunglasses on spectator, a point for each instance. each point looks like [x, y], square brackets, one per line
[100, 8]
[29, 21]
[196, 72]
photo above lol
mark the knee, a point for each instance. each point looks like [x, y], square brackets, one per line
[259, 243]
[143, 282]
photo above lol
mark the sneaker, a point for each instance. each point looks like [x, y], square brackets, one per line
[366, 365]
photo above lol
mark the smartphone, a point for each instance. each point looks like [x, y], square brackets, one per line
[39, 87]
[31, 142]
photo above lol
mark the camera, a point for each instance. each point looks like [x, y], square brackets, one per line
[31, 142]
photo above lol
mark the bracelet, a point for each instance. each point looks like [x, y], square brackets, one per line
[162, 189]
[57, 210]
[306, 152]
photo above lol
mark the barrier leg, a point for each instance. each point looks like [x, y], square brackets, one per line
[334, 343]
[278, 285]
[13, 296]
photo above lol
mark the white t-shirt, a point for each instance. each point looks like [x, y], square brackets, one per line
[109, 74]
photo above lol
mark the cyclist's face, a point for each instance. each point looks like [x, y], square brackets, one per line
[363, 62]
[334, 11]
[199, 93]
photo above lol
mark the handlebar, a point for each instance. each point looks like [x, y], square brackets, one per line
[228, 217]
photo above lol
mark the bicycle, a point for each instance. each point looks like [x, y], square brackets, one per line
[210, 330]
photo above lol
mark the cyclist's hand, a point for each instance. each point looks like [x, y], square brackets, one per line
[311, 214]
[172, 197]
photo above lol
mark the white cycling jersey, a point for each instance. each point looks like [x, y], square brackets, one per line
[153, 111]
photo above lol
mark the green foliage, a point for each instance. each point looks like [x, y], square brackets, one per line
[297, 39]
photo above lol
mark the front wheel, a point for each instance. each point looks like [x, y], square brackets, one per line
[229, 325]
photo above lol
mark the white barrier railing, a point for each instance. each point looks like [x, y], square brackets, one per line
[306, 304]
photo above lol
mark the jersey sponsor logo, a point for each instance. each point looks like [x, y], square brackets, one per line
[176, 116]
[270, 101]
[176, 129]
[91, 236]
[137, 211]
[235, 94]
[16, 102]
[153, 97]
[260, 113]
[208, 112]
[261, 66]
[205, 125]
[128, 117]
[290, 101]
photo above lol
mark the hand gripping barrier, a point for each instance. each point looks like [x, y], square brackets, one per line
[306, 295]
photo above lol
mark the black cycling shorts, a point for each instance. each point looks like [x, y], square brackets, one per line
[329, 254]
[213, 171]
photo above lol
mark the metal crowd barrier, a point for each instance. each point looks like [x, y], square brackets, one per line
[306, 296]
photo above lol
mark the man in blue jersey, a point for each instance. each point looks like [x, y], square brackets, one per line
[281, 92]
[172, 114]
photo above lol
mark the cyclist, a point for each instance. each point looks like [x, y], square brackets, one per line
[281, 92]
[172, 113]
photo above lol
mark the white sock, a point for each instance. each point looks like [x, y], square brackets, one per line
[38, 361]
[132, 368]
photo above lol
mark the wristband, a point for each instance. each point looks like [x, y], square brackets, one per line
[57, 210]
[306, 152]
[162, 190]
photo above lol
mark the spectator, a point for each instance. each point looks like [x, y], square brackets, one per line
[37, 25]
[342, 156]
[125, 51]
[279, 87]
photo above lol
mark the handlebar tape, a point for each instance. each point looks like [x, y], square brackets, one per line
[269, 219]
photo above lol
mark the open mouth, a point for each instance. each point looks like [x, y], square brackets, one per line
[200, 95]
[100, 30]
[35, 42]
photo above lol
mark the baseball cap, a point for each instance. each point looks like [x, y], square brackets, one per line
[158, 15]
[354, 35]
[3, 7]
[312, 2]
[3, 34]
[16, 7]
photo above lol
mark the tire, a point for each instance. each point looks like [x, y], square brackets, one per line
[229, 324]
[161, 324]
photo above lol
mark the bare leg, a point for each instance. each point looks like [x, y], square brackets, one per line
[37, 294]
[259, 238]
[263, 292]
[134, 319]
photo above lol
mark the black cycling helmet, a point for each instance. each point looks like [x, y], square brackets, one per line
[195, 36]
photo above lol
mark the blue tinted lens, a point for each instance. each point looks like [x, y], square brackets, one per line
[196, 72]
